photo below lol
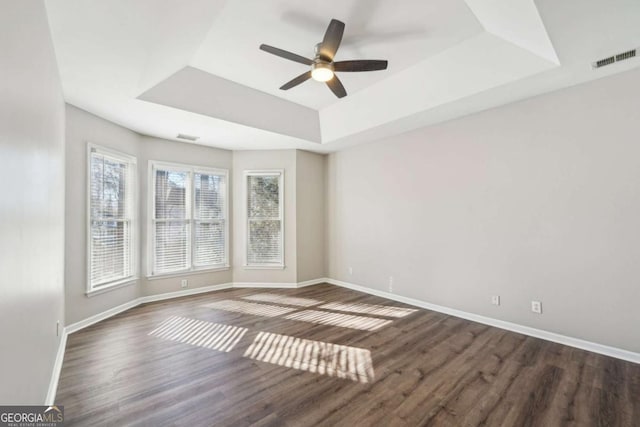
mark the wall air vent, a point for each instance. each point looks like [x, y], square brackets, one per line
[187, 137]
[615, 58]
[605, 61]
[625, 55]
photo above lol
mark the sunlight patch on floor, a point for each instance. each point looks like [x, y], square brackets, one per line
[281, 299]
[376, 310]
[339, 319]
[320, 357]
[200, 333]
[250, 308]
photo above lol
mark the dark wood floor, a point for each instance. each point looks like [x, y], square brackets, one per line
[324, 355]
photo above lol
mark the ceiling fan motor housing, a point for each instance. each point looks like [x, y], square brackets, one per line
[323, 66]
[321, 70]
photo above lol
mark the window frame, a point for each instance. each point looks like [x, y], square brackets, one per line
[151, 219]
[264, 172]
[132, 207]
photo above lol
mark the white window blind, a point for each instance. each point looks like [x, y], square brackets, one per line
[111, 218]
[189, 223]
[264, 218]
[209, 218]
[171, 221]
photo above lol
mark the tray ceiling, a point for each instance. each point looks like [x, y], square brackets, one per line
[163, 67]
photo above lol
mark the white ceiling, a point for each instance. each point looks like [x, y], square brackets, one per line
[404, 33]
[163, 67]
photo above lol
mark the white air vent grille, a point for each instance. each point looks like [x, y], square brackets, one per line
[615, 58]
[187, 137]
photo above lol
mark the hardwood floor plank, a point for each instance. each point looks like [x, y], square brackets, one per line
[176, 363]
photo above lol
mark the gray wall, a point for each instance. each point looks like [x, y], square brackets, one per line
[83, 127]
[32, 203]
[252, 160]
[190, 154]
[310, 215]
[535, 200]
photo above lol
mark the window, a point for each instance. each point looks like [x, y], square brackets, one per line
[111, 219]
[264, 219]
[189, 228]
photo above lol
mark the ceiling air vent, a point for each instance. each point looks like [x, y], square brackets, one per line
[187, 137]
[615, 58]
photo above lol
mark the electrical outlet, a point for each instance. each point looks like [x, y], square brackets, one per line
[536, 307]
[184, 283]
[495, 300]
[391, 284]
[350, 271]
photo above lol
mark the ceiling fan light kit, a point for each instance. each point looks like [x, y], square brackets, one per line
[322, 71]
[323, 67]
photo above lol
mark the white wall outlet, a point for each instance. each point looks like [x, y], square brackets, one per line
[391, 284]
[536, 307]
[495, 300]
[184, 283]
[350, 271]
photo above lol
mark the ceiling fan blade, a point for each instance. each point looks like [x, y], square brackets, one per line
[295, 82]
[363, 65]
[285, 54]
[336, 87]
[332, 39]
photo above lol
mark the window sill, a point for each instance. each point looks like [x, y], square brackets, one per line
[264, 267]
[187, 273]
[111, 287]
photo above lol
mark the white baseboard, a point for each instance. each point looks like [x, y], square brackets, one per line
[526, 330]
[618, 353]
[312, 282]
[279, 285]
[57, 367]
[265, 285]
[74, 327]
[184, 293]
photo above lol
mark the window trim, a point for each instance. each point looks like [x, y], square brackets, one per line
[151, 233]
[263, 172]
[133, 203]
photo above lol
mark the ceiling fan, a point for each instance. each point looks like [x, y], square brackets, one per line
[323, 68]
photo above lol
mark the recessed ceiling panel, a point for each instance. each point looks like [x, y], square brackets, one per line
[477, 65]
[403, 33]
[199, 62]
[197, 91]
